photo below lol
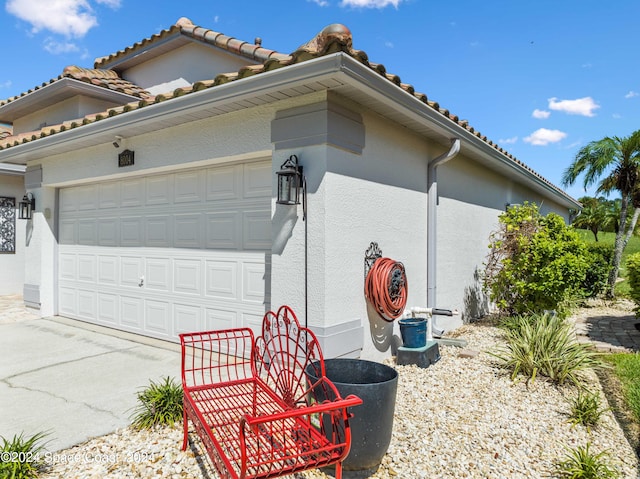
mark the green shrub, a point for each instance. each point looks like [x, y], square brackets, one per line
[23, 456]
[586, 409]
[535, 263]
[545, 345]
[581, 463]
[159, 404]
[633, 275]
[599, 261]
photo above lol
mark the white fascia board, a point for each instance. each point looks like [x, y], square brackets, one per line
[12, 170]
[389, 94]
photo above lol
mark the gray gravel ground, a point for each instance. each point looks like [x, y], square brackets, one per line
[459, 418]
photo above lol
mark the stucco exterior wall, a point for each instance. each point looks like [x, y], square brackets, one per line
[471, 197]
[12, 265]
[183, 67]
[65, 110]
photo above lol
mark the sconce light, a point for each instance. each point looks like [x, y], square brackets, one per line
[117, 142]
[289, 182]
[27, 207]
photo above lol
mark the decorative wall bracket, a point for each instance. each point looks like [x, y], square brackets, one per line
[372, 253]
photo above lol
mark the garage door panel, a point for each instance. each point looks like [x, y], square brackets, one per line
[108, 231]
[158, 231]
[131, 310]
[67, 303]
[131, 231]
[188, 230]
[187, 318]
[186, 275]
[257, 229]
[131, 272]
[108, 195]
[158, 274]
[108, 309]
[157, 317]
[257, 180]
[188, 187]
[107, 270]
[87, 268]
[223, 183]
[67, 232]
[222, 230]
[159, 190]
[222, 279]
[87, 304]
[87, 232]
[169, 253]
[67, 264]
[253, 282]
[132, 192]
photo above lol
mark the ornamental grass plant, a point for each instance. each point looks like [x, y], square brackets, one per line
[545, 345]
[159, 404]
[582, 463]
[21, 457]
[586, 409]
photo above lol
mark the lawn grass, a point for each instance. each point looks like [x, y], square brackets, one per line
[627, 369]
[622, 287]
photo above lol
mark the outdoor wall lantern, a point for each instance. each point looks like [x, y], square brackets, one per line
[27, 206]
[289, 182]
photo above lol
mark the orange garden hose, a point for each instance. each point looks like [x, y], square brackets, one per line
[385, 287]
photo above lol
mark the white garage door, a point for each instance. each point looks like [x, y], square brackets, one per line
[170, 253]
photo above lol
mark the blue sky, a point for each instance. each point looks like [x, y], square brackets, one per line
[541, 78]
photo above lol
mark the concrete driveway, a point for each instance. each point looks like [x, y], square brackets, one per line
[73, 382]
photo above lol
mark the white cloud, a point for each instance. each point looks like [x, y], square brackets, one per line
[321, 3]
[541, 114]
[56, 48]
[616, 116]
[370, 3]
[544, 136]
[631, 94]
[6, 84]
[581, 106]
[71, 18]
[509, 141]
[388, 44]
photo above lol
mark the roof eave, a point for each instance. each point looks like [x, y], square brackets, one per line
[59, 90]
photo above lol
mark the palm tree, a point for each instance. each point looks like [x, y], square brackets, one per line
[592, 217]
[615, 163]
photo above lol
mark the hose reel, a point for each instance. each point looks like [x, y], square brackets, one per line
[385, 285]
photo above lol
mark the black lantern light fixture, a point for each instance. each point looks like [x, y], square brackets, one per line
[289, 182]
[27, 206]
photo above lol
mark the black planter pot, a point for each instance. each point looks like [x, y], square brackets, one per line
[376, 384]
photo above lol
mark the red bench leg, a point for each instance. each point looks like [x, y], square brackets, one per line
[185, 428]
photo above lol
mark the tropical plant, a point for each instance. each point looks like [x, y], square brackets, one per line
[633, 274]
[158, 404]
[21, 456]
[613, 163]
[586, 409]
[535, 262]
[599, 260]
[593, 216]
[582, 463]
[545, 345]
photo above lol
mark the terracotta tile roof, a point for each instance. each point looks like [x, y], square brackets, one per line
[103, 78]
[5, 132]
[332, 39]
[185, 27]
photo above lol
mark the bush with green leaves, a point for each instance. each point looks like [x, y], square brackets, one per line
[535, 263]
[545, 345]
[633, 275]
[21, 456]
[582, 463]
[159, 404]
[599, 258]
[586, 409]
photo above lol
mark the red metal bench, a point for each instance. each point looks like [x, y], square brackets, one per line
[252, 405]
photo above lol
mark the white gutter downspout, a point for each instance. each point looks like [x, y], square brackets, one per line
[432, 220]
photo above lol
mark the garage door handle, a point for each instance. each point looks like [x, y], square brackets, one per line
[141, 283]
